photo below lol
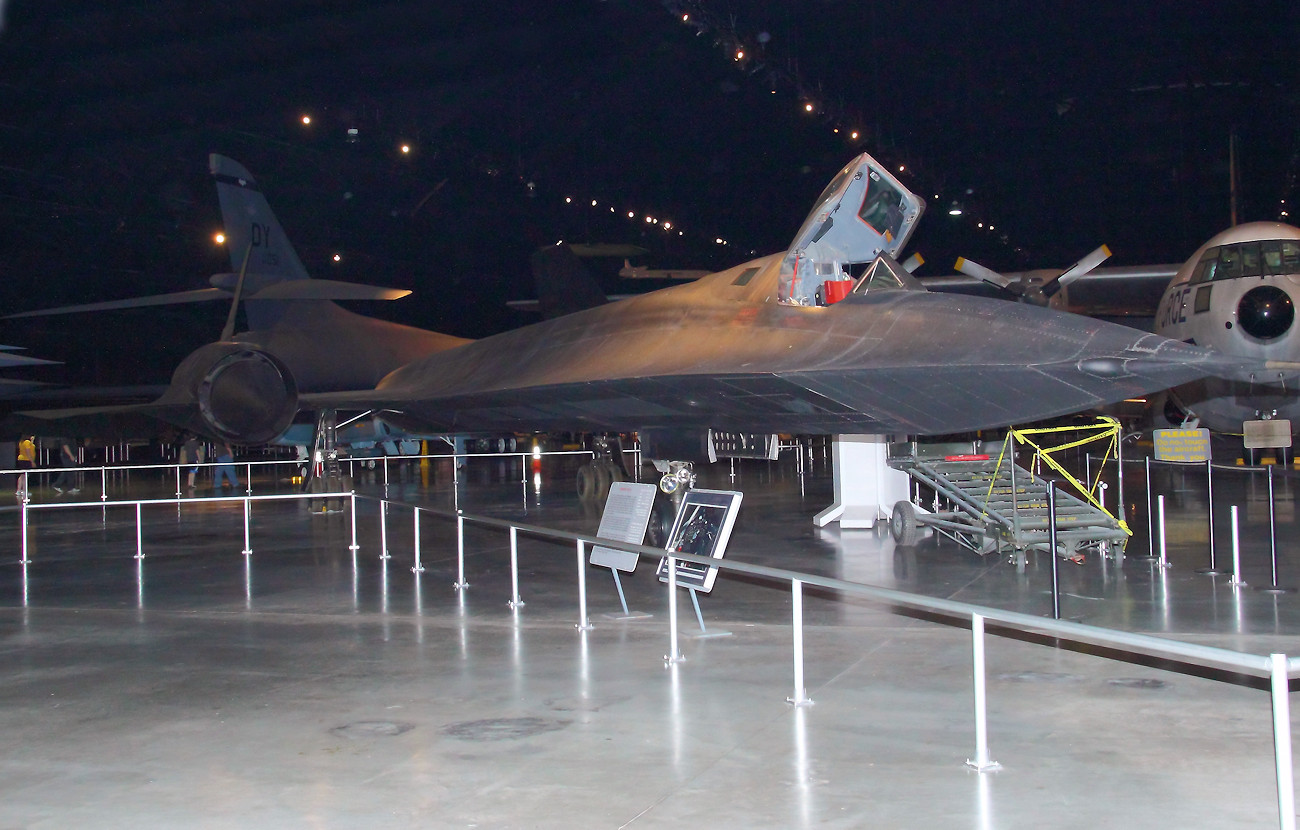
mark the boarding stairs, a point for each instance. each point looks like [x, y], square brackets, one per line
[989, 507]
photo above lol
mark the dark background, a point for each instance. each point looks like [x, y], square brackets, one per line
[1062, 125]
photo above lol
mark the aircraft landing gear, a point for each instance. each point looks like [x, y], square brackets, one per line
[677, 478]
[326, 475]
[602, 472]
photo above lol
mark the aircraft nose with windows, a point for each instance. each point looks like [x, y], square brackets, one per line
[1237, 295]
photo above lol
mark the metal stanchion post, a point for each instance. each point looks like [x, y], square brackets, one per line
[1160, 502]
[248, 548]
[248, 478]
[417, 568]
[583, 623]
[1051, 541]
[1281, 694]
[1213, 570]
[1236, 551]
[103, 484]
[139, 533]
[515, 601]
[981, 762]
[1119, 474]
[22, 510]
[353, 522]
[674, 654]
[383, 529]
[800, 697]
[1274, 587]
[1151, 538]
[461, 584]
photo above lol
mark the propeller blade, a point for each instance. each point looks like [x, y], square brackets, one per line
[1084, 265]
[974, 269]
[913, 262]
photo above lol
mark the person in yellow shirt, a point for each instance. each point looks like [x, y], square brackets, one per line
[26, 461]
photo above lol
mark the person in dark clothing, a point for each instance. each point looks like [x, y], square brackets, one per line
[67, 461]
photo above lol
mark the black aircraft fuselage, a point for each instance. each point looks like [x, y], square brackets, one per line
[725, 353]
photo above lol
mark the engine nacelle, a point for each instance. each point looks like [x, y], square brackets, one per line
[244, 395]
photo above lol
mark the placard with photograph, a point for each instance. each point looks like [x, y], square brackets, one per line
[702, 527]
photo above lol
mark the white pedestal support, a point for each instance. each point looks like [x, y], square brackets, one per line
[866, 487]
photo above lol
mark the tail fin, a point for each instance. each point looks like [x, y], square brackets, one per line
[564, 285]
[253, 234]
[251, 228]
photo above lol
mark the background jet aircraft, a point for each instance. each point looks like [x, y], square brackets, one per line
[244, 387]
[804, 341]
[635, 272]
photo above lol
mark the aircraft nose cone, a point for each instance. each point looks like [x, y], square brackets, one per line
[1266, 312]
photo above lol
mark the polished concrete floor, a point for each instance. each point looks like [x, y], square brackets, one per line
[302, 687]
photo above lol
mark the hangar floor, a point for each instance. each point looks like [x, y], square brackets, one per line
[201, 688]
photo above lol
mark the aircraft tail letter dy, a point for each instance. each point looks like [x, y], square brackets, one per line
[251, 228]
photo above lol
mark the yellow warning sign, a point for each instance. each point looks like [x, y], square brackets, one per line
[1190, 446]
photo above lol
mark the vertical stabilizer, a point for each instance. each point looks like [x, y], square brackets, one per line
[252, 232]
[564, 285]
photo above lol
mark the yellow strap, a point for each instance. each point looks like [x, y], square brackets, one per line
[1108, 428]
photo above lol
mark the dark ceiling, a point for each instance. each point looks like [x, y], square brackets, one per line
[1064, 127]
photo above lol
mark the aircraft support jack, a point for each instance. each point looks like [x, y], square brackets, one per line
[866, 487]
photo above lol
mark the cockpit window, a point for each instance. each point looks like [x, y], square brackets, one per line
[879, 279]
[836, 184]
[882, 208]
[1280, 256]
[1249, 259]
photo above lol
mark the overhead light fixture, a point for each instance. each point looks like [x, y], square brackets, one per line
[955, 208]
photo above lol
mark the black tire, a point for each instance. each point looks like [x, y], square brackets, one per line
[587, 483]
[616, 473]
[902, 524]
[604, 479]
[662, 516]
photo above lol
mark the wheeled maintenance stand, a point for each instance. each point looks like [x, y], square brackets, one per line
[989, 507]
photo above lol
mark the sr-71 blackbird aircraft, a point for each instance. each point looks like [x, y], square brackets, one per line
[831, 336]
[1234, 295]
